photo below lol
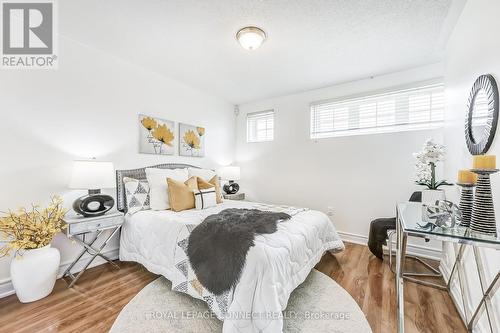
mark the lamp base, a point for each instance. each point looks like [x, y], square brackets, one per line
[93, 204]
[231, 188]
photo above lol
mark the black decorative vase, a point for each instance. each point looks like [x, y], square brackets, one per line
[94, 204]
[483, 212]
[231, 188]
[466, 203]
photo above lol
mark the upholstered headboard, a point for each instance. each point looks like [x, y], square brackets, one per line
[141, 175]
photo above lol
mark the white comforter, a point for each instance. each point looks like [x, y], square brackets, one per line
[275, 266]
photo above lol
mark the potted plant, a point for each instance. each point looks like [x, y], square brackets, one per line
[28, 233]
[425, 166]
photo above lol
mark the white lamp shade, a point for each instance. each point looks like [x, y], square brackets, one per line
[92, 175]
[229, 173]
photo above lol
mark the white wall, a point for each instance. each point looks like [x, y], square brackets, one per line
[472, 51]
[89, 108]
[360, 177]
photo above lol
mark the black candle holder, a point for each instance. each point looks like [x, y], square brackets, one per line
[466, 203]
[483, 211]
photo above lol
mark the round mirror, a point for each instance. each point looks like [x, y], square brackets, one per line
[482, 116]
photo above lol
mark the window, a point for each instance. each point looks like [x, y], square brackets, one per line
[415, 108]
[260, 126]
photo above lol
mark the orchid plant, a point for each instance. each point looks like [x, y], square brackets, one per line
[425, 166]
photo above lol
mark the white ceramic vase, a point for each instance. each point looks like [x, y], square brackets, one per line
[429, 197]
[34, 273]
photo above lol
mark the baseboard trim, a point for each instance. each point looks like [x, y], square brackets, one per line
[7, 289]
[417, 250]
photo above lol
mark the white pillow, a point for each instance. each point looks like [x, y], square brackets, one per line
[157, 179]
[205, 174]
[204, 199]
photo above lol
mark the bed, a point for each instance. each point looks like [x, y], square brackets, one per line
[275, 266]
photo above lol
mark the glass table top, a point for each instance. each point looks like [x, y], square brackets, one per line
[410, 217]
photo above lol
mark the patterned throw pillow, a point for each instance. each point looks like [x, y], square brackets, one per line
[137, 194]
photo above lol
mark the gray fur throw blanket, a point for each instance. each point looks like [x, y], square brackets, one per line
[218, 246]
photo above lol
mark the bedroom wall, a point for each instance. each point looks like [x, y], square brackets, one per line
[471, 52]
[357, 178]
[89, 108]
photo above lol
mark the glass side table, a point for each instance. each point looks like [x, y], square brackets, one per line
[408, 223]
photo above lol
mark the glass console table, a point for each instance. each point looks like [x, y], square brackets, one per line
[409, 222]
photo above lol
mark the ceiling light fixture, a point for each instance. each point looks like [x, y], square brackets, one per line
[251, 38]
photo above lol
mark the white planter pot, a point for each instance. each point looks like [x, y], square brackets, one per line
[34, 273]
[429, 197]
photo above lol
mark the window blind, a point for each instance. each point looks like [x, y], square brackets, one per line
[260, 126]
[414, 108]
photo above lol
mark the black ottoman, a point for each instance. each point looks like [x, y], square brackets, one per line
[379, 227]
[378, 234]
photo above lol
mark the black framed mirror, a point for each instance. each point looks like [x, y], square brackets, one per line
[482, 115]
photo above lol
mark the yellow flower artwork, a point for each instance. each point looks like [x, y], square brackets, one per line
[156, 136]
[163, 134]
[149, 123]
[192, 140]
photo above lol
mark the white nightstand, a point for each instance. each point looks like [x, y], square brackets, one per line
[237, 196]
[79, 227]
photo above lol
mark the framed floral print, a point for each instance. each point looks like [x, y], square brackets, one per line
[156, 136]
[191, 140]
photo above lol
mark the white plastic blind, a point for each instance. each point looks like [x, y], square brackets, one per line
[415, 108]
[260, 126]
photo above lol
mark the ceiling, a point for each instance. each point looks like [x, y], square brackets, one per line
[311, 44]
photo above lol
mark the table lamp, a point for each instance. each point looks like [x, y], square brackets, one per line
[230, 173]
[93, 176]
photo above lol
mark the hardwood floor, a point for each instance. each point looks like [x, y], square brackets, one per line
[371, 283]
[93, 304]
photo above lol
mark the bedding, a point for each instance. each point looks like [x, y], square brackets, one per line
[136, 194]
[180, 194]
[274, 267]
[213, 182]
[157, 179]
[204, 199]
[231, 231]
[205, 174]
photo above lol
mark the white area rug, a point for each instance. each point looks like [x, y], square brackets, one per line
[319, 305]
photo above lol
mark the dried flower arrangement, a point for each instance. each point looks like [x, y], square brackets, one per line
[31, 229]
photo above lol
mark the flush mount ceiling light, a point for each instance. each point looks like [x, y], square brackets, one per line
[251, 38]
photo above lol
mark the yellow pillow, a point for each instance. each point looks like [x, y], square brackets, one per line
[180, 194]
[203, 185]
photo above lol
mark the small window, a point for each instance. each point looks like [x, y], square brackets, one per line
[260, 126]
[420, 107]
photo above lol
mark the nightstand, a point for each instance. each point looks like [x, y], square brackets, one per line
[80, 227]
[236, 196]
